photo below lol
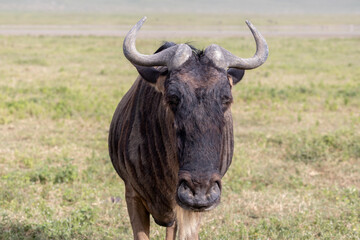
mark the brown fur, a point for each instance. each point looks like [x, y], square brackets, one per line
[143, 147]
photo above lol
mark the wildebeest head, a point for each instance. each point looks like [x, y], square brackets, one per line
[196, 87]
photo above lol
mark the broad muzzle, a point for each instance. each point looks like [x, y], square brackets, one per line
[198, 192]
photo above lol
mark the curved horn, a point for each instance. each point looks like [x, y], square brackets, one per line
[171, 57]
[225, 59]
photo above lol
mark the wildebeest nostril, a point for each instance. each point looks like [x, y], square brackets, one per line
[185, 188]
[213, 188]
[213, 191]
[198, 195]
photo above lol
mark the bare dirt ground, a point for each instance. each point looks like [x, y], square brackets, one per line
[326, 31]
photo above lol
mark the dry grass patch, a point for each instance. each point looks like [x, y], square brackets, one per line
[295, 172]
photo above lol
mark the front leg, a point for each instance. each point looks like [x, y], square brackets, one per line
[139, 216]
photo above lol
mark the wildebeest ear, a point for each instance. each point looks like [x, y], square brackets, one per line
[152, 76]
[235, 75]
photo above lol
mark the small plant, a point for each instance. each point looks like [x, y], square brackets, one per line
[42, 175]
[66, 175]
[69, 196]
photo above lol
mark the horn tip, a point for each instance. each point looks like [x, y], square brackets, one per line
[141, 21]
[248, 23]
[139, 24]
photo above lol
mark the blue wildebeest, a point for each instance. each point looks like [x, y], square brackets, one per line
[171, 136]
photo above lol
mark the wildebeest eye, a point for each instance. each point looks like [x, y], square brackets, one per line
[173, 101]
[226, 101]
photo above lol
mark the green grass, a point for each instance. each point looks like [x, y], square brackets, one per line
[296, 167]
[165, 19]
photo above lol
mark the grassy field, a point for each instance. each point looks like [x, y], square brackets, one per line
[296, 167]
[174, 20]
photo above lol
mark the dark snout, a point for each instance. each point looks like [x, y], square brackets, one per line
[199, 193]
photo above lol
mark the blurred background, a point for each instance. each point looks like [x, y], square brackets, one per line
[296, 166]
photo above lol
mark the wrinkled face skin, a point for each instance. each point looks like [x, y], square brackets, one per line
[198, 94]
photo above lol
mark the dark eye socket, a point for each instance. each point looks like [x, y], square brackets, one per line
[173, 100]
[226, 101]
